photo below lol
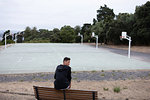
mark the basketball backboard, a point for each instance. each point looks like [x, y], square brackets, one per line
[124, 34]
[93, 34]
[79, 34]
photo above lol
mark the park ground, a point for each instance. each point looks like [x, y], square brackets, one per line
[137, 52]
[133, 84]
[141, 49]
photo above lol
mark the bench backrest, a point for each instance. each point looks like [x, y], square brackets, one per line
[47, 93]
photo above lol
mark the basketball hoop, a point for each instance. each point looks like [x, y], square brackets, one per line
[122, 37]
[125, 36]
[81, 37]
[96, 36]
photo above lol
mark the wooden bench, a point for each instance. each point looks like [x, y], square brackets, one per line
[47, 93]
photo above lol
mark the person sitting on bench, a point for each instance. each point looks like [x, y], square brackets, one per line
[63, 75]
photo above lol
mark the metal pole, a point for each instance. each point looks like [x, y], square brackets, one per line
[81, 39]
[129, 47]
[15, 38]
[5, 41]
[96, 41]
[124, 36]
[96, 36]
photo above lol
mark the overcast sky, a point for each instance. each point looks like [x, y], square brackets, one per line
[49, 14]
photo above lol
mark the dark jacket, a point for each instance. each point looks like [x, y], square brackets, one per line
[62, 77]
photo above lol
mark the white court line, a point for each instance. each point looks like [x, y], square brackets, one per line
[19, 60]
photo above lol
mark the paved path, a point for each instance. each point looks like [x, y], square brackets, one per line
[136, 55]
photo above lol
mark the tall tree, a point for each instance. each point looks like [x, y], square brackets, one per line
[86, 32]
[43, 34]
[27, 34]
[105, 15]
[77, 30]
[123, 22]
[141, 29]
[94, 21]
[34, 33]
[98, 30]
[55, 37]
[8, 37]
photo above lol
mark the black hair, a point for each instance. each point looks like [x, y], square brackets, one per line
[66, 59]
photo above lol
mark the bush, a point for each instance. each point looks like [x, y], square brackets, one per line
[103, 74]
[1, 43]
[8, 42]
[117, 89]
[39, 40]
[105, 89]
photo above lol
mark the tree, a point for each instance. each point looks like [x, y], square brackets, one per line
[141, 31]
[34, 33]
[94, 21]
[105, 15]
[114, 32]
[55, 37]
[98, 30]
[19, 38]
[43, 34]
[123, 22]
[77, 30]
[67, 34]
[27, 34]
[86, 32]
[8, 37]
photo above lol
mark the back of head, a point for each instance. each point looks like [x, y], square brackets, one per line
[66, 61]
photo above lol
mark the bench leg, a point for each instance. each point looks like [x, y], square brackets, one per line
[37, 93]
[64, 92]
[93, 95]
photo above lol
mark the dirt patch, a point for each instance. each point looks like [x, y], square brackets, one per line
[129, 89]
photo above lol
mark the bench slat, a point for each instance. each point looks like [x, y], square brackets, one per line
[61, 93]
[67, 96]
[71, 96]
[48, 88]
